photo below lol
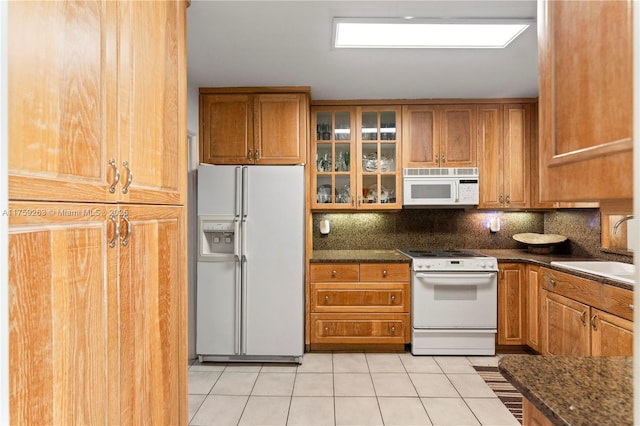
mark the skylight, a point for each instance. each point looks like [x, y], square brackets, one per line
[426, 33]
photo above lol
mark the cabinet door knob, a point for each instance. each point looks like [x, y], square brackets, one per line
[384, 273]
[631, 307]
[125, 188]
[326, 298]
[116, 176]
[393, 298]
[334, 273]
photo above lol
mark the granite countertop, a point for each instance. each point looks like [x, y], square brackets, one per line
[574, 390]
[358, 256]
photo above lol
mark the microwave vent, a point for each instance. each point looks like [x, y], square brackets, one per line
[435, 171]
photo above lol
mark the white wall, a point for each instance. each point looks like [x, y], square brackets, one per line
[4, 257]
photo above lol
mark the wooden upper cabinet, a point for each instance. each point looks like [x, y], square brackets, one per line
[82, 129]
[226, 122]
[246, 127]
[421, 136]
[586, 103]
[151, 88]
[504, 139]
[439, 136]
[280, 129]
[60, 146]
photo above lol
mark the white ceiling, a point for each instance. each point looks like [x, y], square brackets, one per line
[288, 43]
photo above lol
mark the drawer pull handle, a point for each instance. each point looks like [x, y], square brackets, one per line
[116, 176]
[393, 298]
[583, 315]
[631, 307]
[384, 273]
[593, 322]
[393, 328]
[326, 329]
[326, 298]
[334, 273]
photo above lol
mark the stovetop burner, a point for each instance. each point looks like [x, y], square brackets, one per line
[440, 253]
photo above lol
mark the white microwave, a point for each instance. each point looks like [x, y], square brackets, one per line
[440, 187]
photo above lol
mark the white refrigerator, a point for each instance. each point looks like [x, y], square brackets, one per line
[250, 273]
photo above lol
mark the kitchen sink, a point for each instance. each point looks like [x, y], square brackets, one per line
[620, 271]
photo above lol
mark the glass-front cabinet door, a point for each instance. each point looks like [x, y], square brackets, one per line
[333, 145]
[380, 173]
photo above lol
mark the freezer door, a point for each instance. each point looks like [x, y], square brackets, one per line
[219, 190]
[218, 308]
[274, 253]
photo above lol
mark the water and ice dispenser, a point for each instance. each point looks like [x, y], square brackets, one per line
[218, 238]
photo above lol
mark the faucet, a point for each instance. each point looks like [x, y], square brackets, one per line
[620, 222]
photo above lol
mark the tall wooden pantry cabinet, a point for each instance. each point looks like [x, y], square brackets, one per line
[97, 244]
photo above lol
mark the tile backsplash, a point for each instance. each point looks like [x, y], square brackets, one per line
[422, 228]
[456, 228]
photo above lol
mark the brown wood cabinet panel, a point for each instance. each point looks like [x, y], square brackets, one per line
[565, 328]
[511, 304]
[151, 307]
[439, 135]
[226, 126]
[610, 335]
[63, 316]
[531, 416]
[60, 146]
[615, 300]
[360, 328]
[458, 144]
[152, 102]
[385, 272]
[336, 272]
[504, 137]
[421, 141]
[280, 128]
[361, 298]
[532, 303]
[585, 103]
[252, 127]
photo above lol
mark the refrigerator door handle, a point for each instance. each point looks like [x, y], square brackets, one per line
[238, 304]
[238, 204]
[245, 193]
[243, 333]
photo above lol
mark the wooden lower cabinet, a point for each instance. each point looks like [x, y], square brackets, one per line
[511, 304]
[531, 416]
[532, 307]
[97, 319]
[610, 334]
[365, 303]
[565, 326]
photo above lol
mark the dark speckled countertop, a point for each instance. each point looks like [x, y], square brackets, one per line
[575, 390]
[359, 256]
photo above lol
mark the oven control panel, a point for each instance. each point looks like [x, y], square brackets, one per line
[453, 264]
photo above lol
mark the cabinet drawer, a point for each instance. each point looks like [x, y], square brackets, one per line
[360, 328]
[615, 300]
[360, 297]
[380, 272]
[337, 272]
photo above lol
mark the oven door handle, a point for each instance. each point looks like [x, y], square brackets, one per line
[461, 279]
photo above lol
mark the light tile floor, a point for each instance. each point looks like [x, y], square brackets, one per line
[346, 389]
